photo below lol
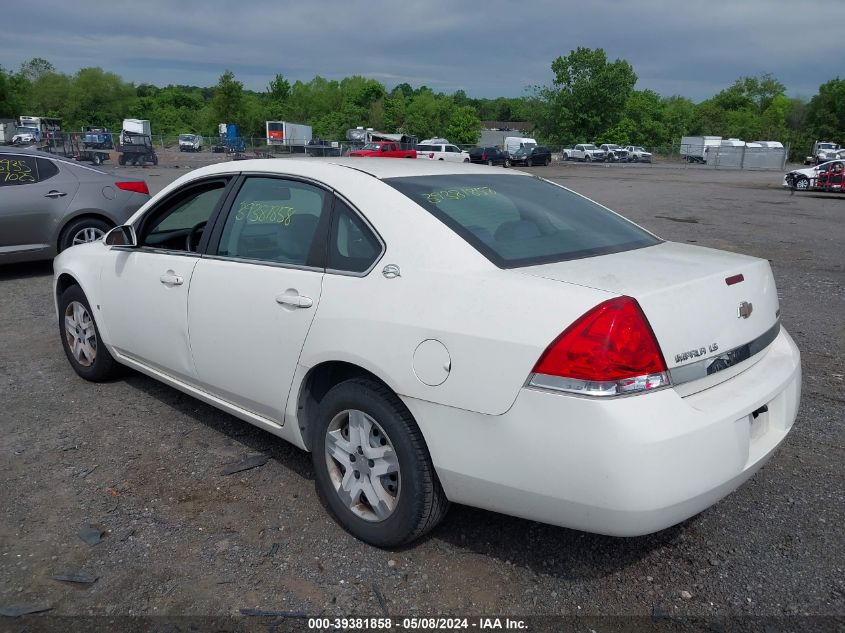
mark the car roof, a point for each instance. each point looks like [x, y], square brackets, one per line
[380, 168]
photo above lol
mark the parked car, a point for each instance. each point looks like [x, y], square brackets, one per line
[614, 153]
[828, 176]
[451, 333]
[442, 151]
[529, 156]
[190, 143]
[384, 149]
[637, 154]
[48, 204]
[489, 156]
[585, 152]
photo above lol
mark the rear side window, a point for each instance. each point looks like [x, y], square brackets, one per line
[46, 169]
[17, 169]
[352, 245]
[521, 221]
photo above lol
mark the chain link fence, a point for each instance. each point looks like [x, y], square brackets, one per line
[169, 147]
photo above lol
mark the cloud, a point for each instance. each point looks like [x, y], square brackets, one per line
[487, 48]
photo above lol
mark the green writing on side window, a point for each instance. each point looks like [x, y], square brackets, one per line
[435, 197]
[264, 213]
[15, 171]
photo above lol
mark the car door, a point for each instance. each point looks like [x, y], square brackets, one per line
[254, 295]
[35, 194]
[144, 290]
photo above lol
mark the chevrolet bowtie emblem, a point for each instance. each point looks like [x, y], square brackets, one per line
[745, 310]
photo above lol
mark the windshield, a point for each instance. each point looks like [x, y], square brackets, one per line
[611, 146]
[375, 146]
[187, 137]
[25, 130]
[589, 146]
[827, 146]
[522, 221]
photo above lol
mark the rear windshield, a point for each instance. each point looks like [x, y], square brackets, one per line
[522, 221]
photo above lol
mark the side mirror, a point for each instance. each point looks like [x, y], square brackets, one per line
[122, 236]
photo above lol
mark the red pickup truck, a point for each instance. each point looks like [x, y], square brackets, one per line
[384, 149]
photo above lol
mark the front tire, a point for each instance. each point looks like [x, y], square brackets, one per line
[802, 184]
[507, 163]
[372, 468]
[81, 338]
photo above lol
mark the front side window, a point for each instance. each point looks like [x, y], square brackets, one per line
[521, 221]
[274, 220]
[179, 223]
[17, 169]
[352, 245]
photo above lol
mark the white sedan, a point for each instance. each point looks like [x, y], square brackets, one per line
[826, 175]
[438, 332]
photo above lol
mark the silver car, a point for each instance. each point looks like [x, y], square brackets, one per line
[48, 204]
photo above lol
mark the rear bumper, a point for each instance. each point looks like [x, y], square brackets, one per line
[625, 466]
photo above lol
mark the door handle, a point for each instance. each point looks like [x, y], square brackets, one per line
[293, 298]
[171, 279]
[54, 194]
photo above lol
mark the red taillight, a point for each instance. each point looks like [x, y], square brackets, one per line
[483, 156]
[610, 350]
[138, 186]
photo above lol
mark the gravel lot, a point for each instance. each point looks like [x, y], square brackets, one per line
[143, 463]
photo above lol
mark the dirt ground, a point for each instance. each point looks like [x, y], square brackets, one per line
[142, 464]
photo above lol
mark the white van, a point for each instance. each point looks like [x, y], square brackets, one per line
[513, 143]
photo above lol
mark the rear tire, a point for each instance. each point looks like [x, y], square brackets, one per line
[362, 425]
[81, 339]
[507, 163]
[81, 231]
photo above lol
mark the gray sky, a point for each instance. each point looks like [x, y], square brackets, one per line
[487, 48]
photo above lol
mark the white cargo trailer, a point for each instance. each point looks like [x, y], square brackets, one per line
[137, 126]
[284, 133]
[694, 148]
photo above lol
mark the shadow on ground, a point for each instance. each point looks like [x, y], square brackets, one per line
[544, 549]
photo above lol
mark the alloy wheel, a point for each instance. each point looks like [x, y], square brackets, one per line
[86, 234]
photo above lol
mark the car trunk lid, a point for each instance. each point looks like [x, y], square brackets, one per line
[701, 303]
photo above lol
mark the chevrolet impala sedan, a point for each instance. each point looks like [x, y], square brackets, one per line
[437, 332]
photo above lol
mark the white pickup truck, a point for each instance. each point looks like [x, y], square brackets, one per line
[637, 154]
[584, 152]
[442, 151]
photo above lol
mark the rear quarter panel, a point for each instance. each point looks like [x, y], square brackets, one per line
[494, 323]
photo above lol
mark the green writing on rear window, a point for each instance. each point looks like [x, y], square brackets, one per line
[436, 197]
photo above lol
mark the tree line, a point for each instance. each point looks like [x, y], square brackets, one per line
[590, 98]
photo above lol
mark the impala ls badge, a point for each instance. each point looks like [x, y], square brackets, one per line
[745, 310]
